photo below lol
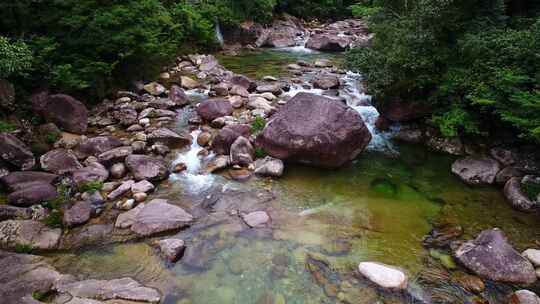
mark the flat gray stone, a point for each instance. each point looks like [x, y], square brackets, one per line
[159, 216]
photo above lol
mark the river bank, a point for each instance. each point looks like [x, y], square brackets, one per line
[179, 166]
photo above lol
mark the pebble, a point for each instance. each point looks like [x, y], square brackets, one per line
[383, 275]
[532, 255]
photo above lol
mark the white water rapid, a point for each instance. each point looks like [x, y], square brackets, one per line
[195, 180]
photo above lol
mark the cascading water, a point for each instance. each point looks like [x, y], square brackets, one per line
[219, 35]
[361, 102]
[193, 177]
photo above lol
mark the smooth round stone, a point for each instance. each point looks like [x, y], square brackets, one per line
[385, 276]
[524, 297]
[140, 197]
[532, 255]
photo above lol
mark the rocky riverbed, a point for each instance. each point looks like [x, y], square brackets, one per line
[209, 185]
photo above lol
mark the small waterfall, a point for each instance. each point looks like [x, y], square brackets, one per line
[193, 177]
[219, 35]
[361, 102]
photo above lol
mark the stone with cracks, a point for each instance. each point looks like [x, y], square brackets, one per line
[60, 161]
[29, 233]
[67, 113]
[476, 171]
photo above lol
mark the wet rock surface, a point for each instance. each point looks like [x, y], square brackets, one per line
[492, 257]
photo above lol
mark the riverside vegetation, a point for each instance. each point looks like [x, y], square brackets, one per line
[328, 151]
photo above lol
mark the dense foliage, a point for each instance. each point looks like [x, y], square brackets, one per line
[476, 62]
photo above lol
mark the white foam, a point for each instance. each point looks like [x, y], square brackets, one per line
[193, 177]
[361, 102]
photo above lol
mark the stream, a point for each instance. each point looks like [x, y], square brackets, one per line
[324, 222]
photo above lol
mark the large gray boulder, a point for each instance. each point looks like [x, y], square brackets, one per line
[242, 152]
[226, 137]
[77, 214]
[328, 42]
[59, 161]
[147, 168]
[476, 171]
[32, 193]
[12, 180]
[159, 216]
[315, 130]
[115, 155]
[492, 257]
[178, 96]
[94, 172]
[15, 152]
[96, 145]
[169, 138]
[67, 113]
[214, 108]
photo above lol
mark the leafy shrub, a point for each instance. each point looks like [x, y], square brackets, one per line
[23, 248]
[91, 186]
[16, 57]
[54, 219]
[7, 127]
[258, 125]
[260, 153]
[478, 68]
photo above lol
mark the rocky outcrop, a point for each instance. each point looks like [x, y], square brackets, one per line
[476, 171]
[283, 33]
[492, 257]
[15, 152]
[212, 109]
[226, 137]
[147, 168]
[315, 130]
[67, 113]
[339, 36]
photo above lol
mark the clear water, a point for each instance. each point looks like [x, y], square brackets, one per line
[323, 224]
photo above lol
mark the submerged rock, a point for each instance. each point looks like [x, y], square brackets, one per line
[492, 257]
[475, 171]
[171, 249]
[117, 289]
[385, 276]
[315, 130]
[257, 219]
[515, 195]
